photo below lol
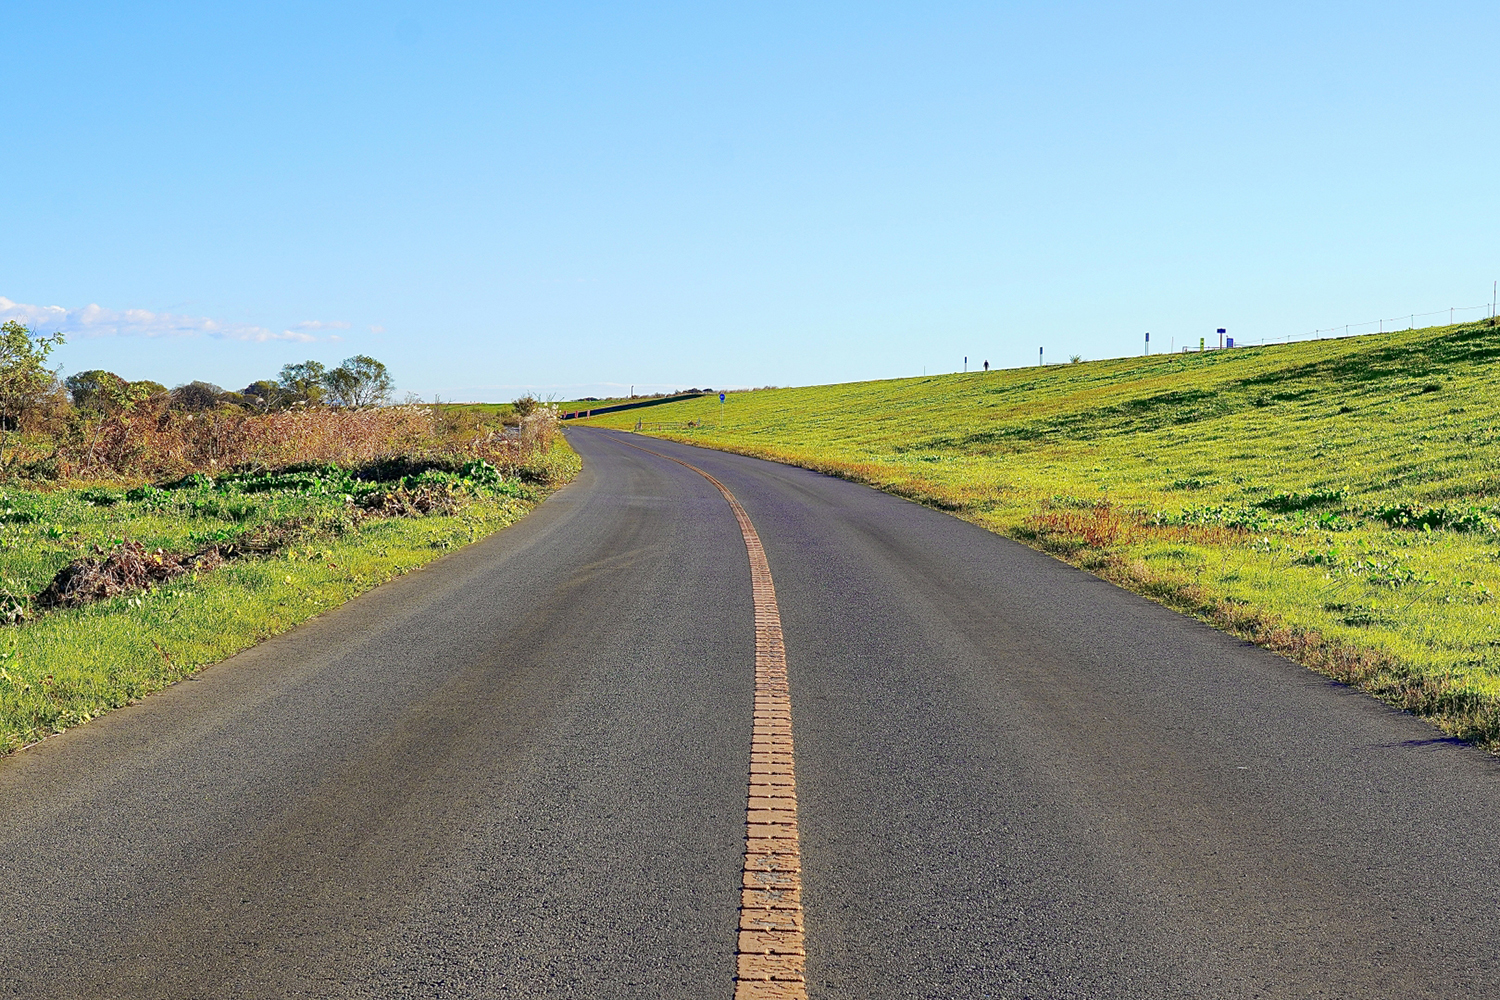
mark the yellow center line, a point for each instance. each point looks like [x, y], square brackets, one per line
[770, 956]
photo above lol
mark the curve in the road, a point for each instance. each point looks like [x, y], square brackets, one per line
[770, 955]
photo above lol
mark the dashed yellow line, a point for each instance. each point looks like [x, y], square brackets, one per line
[770, 956]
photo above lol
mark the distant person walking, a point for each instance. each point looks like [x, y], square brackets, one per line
[986, 366]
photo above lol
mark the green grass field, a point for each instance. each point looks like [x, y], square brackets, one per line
[1333, 500]
[64, 667]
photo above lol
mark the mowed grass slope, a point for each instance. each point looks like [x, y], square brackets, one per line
[1337, 501]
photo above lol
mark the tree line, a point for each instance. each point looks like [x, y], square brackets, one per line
[359, 382]
[26, 383]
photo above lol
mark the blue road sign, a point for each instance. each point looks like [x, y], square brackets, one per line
[721, 397]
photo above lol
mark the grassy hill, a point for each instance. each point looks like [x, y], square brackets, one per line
[1337, 501]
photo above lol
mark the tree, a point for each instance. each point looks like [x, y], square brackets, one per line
[265, 394]
[525, 405]
[104, 399]
[147, 389]
[97, 390]
[302, 383]
[195, 397]
[359, 381]
[25, 379]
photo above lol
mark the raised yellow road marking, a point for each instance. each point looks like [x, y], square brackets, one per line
[770, 956]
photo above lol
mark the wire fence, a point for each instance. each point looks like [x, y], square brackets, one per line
[1454, 314]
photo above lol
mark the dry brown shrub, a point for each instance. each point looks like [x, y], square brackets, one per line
[126, 568]
[429, 498]
[156, 443]
[508, 448]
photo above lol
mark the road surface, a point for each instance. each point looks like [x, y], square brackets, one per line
[522, 772]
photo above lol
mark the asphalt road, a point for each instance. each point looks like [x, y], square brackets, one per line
[521, 772]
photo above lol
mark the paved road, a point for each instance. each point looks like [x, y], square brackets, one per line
[521, 772]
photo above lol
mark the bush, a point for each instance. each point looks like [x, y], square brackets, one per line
[97, 390]
[26, 382]
[196, 397]
[159, 444]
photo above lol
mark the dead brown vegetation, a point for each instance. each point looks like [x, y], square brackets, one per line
[155, 443]
[1101, 525]
[128, 567]
[153, 440]
[427, 499]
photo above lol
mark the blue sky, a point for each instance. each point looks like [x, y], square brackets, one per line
[570, 198]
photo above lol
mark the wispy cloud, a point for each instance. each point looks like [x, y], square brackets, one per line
[96, 321]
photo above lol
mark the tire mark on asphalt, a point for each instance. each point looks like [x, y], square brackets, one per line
[770, 957]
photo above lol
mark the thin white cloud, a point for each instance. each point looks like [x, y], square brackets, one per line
[317, 324]
[96, 321]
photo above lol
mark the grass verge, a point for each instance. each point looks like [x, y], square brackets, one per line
[71, 665]
[1334, 501]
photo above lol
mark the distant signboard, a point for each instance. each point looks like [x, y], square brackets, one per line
[721, 397]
